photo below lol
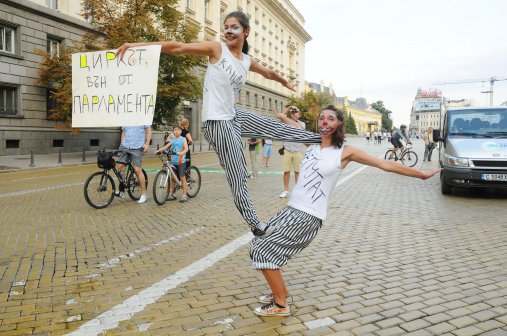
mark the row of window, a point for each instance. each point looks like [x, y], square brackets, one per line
[57, 143]
[8, 38]
[264, 102]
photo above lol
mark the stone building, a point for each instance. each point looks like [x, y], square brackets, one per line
[428, 107]
[277, 40]
[366, 118]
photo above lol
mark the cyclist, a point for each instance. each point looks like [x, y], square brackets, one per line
[135, 140]
[396, 138]
[179, 148]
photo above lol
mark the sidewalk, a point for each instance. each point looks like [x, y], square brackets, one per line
[18, 162]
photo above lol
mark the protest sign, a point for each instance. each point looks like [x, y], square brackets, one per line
[108, 91]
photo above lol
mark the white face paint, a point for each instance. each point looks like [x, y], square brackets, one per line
[234, 29]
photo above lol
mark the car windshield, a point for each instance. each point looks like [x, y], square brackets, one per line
[487, 123]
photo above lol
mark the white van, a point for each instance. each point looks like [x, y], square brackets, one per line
[474, 148]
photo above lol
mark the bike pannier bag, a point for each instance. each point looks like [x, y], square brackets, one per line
[105, 160]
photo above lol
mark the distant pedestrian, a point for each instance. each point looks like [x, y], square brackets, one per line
[429, 144]
[267, 151]
[252, 150]
[298, 223]
[293, 153]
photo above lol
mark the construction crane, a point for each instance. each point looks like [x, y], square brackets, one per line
[491, 81]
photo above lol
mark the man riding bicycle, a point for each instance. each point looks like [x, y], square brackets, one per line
[396, 138]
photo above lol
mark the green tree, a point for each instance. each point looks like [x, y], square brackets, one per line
[387, 122]
[350, 123]
[120, 21]
[310, 103]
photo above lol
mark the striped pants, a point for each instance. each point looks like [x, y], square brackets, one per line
[225, 138]
[295, 230]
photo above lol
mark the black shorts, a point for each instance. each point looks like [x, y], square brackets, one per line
[181, 169]
[397, 143]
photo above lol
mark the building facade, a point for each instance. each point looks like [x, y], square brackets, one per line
[25, 27]
[427, 109]
[366, 118]
[277, 40]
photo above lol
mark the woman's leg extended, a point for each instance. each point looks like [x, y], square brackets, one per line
[225, 137]
[278, 288]
[254, 125]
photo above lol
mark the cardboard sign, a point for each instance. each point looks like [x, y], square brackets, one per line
[108, 91]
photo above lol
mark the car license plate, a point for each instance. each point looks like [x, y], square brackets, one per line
[494, 177]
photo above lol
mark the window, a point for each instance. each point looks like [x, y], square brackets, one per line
[12, 143]
[8, 100]
[58, 142]
[52, 4]
[94, 142]
[54, 46]
[247, 98]
[7, 38]
[206, 9]
[50, 101]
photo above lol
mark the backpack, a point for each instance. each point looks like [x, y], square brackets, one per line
[105, 160]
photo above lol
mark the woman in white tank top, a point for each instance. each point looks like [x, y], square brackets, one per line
[298, 223]
[224, 124]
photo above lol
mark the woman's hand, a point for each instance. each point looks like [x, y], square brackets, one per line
[428, 174]
[290, 86]
[123, 48]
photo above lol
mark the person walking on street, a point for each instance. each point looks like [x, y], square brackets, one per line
[135, 140]
[293, 152]
[429, 144]
[185, 132]
[224, 123]
[299, 222]
[267, 150]
[252, 149]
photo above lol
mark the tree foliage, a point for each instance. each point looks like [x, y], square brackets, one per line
[350, 123]
[310, 103]
[387, 122]
[117, 22]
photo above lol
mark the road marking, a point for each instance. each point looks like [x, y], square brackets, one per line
[114, 261]
[17, 193]
[134, 304]
[319, 323]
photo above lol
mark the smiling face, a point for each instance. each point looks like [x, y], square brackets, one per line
[234, 32]
[328, 122]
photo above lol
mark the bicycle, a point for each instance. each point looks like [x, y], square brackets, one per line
[100, 189]
[163, 178]
[408, 157]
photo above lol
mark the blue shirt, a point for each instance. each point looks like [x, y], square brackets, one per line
[135, 136]
[177, 146]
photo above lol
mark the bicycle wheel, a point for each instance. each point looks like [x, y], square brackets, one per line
[409, 158]
[99, 190]
[193, 177]
[161, 186]
[133, 185]
[389, 155]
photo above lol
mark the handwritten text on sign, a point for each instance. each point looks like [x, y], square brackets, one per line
[109, 91]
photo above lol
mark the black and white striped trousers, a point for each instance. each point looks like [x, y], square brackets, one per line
[225, 137]
[294, 230]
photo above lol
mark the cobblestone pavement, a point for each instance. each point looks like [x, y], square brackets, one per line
[395, 257]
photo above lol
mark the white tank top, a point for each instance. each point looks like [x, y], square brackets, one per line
[222, 83]
[318, 173]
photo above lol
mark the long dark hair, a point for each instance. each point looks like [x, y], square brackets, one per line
[338, 136]
[245, 23]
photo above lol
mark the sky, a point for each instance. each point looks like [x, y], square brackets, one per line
[387, 49]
